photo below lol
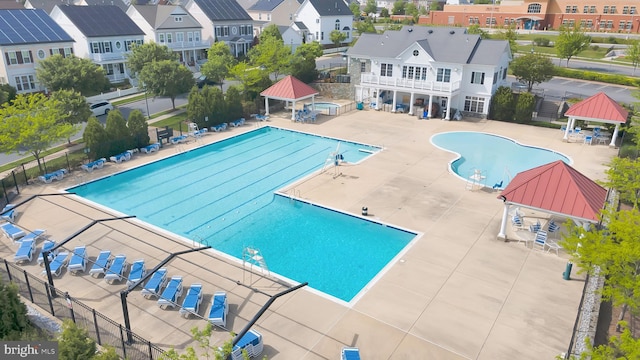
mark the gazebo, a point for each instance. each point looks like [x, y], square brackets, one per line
[598, 108]
[555, 188]
[289, 89]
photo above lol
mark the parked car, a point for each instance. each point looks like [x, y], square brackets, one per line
[202, 80]
[101, 108]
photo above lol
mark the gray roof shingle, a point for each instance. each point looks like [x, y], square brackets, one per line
[29, 26]
[265, 5]
[119, 3]
[331, 7]
[101, 20]
[222, 10]
[452, 45]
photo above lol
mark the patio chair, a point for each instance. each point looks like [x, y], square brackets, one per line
[78, 262]
[251, 342]
[101, 264]
[153, 287]
[97, 164]
[553, 228]
[517, 221]
[46, 246]
[541, 239]
[34, 235]
[171, 293]
[534, 228]
[57, 264]
[137, 272]
[588, 140]
[116, 270]
[12, 231]
[350, 353]
[219, 309]
[192, 301]
[9, 213]
[25, 251]
[56, 175]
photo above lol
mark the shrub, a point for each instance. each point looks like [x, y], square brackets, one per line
[541, 41]
[594, 76]
[595, 47]
[524, 107]
[628, 151]
[501, 107]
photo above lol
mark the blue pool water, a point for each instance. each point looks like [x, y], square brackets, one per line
[223, 195]
[324, 105]
[498, 158]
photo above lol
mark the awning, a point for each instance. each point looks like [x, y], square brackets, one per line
[537, 18]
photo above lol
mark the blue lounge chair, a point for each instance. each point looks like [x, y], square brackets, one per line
[350, 353]
[178, 139]
[57, 264]
[137, 272]
[150, 148]
[192, 301]
[125, 156]
[116, 270]
[12, 232]
[171, 293]
[34, 235]
[9, 213]
[237, 123]
[78, 262]
[262, 117]
[200, 132]
[155, 284]
[251, 342]
[46, 246]
[97, 164]
[219, 309]
[56, 175]
[219, 127]
[25, 251]
[101, 264]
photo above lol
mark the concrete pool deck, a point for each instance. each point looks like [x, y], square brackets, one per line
[456, 293]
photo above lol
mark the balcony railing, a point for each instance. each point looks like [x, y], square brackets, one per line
[188, 45]
[107, 57]
[371, 79]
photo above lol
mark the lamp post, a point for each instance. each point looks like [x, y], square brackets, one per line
[146, 101]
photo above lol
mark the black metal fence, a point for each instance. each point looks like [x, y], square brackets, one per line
[61, 305]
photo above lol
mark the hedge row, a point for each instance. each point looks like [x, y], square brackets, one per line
[596, 76]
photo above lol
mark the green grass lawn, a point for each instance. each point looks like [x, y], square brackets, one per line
[172, 122]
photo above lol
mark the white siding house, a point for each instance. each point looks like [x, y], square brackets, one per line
[321, 17]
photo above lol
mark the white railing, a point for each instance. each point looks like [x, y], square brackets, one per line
[107, 57]
[409, 83]
[112, 95]
[188, 45]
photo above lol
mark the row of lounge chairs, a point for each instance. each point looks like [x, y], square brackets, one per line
[17, 234]
[124, 156]
[150, 148]
[237, 123]
[94, 165]
[56, 175]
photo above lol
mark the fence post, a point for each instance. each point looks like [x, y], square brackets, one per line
[26, 279]
[24, 172]
[66, 155]
[124, 350]
[4, 189]
[70, 306]
[150, 350]
[95, 323]
[46, 287]
[6, 264]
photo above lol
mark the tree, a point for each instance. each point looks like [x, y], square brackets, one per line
[72, 73]
[219, 60]
[476, 29]
[271, 31]
[138, 129]
[167, 78]
[411, 10]
[271, 54]
[524, 107]
[398, 7]
[33, 123]
[13, 312]
[337, 37]
[633, 54]
[147, 53]
[355, 9]
[384, 12]
[117, 132]
[435, 6]
[96, 139]
[615, 251]
[502, 105]
[511, 36]
[202, 337]
[75, 343]
[8, 93]
[624, 346]
[623, 175]
[532, 69]
[73, 104]
[571, 42]
[371, 7]
[303, 65]
[233, 102]
[365, 26]
[248, 76]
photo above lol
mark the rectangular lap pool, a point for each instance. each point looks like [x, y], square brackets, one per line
[223, 195]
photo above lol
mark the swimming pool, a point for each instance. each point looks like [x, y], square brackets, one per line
[324, 105]
[222, 195]
[498, 159]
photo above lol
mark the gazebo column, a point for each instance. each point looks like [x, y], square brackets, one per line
[293, 111]
[395, 96]
[413, 95]
[378, 99]
[266, 105]
[569, 128]
[448, 117]
[503, 225]
[614, 136]
[429, 114]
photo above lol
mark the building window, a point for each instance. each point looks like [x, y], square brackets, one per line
[179, 37]
[629, 25]
[606, 9]
[602, 24]
[161, 38]
[317, 35]
[363, 66]
[25, 82]
[243, 30]
[474, 104]
[477, 78]
[633, 10]
[625, 10]
[218, 31]
[565, 22]
[318, 21]
[609, 24]
[386, 70]
[572, 23]
[225, 31]
[592, 9]
[337, 25]
[177, 19]
[169, 38]
[322, 35]
[495, 77]
[196, 36]
[613, 9]
[583, 23]
[128, 44]
[443, 75]
[574, 9]
[567, 9]
[585, 9]
[41, 54]
[589, 23]
[68, 52]
[504, 73]
[534, 8]
[12, 58]
[621, 26]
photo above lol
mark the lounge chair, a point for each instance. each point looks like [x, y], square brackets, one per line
[155, 284]
[34, 235]
[9, 213]
[219, 309]
[78, 262]
[260, 117]
[116, 270]
[57, 264]
[56, 175]
[251, 342]
[198, 133]
[178, 139]
[237, 123]
[12, 231]
[192, 301]
[97, 164]
[101, 264]
[25, 251]
[46, 246]
[219, 127]
[171, 293]
[125, 156]
[350, 353]
[137, 272]
[150, 148]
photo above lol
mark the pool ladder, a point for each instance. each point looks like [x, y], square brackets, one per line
[253, 256]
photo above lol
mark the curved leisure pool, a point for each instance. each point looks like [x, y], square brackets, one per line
[497, 158]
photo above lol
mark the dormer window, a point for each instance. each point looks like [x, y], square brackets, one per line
[177, 19]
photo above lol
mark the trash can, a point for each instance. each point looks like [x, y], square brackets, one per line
[360, 105]
[567, 271]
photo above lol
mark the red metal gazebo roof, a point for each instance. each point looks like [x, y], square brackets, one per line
[559, 188]
[599, 107]
[289, 88]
